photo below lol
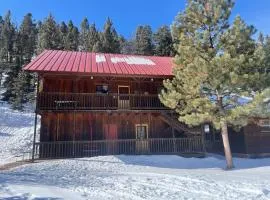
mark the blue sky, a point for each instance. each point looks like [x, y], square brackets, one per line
[128, 14]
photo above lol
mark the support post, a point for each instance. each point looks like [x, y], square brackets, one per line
[35, 127]
[203, 138]
[73, 136]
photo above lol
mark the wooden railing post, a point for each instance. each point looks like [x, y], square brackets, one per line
[35, 126]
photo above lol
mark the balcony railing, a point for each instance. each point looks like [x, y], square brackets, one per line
[63, 149]
[94, 101]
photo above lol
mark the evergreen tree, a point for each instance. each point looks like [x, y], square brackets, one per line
[109, 38]
[22, 83]
[49, 35]
[163, 42]
[12, 73]
[98, 47]
[8, 53]
[19, 94]
[215, 67]
[84, 35]
[127, 46]
[266, 46]
[72, 38]
[1, 65]
[26, 40]
[94, 39]
[264, 42]
[261, 38]
[143, 40]
[63, 34]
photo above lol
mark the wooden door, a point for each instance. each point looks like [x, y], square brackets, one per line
[110, 133]
[142, 144]
[123, 97]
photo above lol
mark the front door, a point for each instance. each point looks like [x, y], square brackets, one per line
[110, 133]
[123, 97]
[142, 145]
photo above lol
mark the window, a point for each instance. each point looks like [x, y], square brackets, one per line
[264, 123]
[102, 89]
[141, 131]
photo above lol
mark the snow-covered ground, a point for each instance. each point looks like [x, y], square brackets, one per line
[138, 177]
[16, 133]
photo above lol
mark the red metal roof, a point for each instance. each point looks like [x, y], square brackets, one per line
[100, 63]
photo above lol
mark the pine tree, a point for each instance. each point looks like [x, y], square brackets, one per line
[27, 38]
[94, 39]
[7, 53]
[63, 34]
[143, 40]
[1, 66]
[109, 38]
[22, 83]
[12, 73]
[84, 35]
[265, 67]
[98, 47]
[261, 38]
[163, 42]
[72, 38]
[215, 67]
[266, 47]
[19, 94]
[127, 46]
[49, 35]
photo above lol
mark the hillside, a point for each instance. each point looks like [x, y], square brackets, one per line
[16, 133]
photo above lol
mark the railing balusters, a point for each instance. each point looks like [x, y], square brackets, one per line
[63, 149]
[88, 101]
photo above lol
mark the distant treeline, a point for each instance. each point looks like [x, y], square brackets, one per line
[18, 45]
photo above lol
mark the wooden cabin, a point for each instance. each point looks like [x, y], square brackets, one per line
[252, 140]
[98, 104]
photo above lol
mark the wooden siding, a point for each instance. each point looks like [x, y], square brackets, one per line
[257, 139]
[68, 126]
[237, 141]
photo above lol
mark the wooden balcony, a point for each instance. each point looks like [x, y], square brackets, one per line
[94, 101]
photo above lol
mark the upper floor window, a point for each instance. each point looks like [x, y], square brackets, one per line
[102, 89]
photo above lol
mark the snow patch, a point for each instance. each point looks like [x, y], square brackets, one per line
[100, 58]
[133, 60]
[16, 133]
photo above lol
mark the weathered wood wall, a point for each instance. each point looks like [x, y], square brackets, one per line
[237, 140]
[257, 139]
[66, 126]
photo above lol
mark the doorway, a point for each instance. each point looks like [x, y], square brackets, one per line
[110, 133]
[123, 97]
[142, 143]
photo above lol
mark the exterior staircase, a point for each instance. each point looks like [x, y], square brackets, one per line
[171, 119]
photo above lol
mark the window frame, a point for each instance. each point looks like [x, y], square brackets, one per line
[101, 84]
[142, 125]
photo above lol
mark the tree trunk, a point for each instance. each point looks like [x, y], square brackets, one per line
[226, 144]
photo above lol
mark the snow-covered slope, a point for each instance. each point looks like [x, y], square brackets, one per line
[138, 177]
[16, 133]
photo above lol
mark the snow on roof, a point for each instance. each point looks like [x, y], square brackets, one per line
[100, 58]
[133, 60]
[101, 63]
